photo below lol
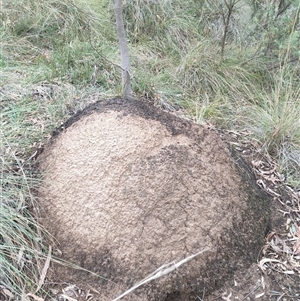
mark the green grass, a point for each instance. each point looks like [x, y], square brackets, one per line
[51, 49]
[24, 127]
[274, 121]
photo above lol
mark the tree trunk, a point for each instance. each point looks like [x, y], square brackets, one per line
[125, 61]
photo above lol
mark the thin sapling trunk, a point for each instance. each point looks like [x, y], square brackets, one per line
[125, 61]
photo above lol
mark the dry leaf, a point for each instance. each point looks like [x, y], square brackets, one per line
[289, 272]
[70, 291]
[270, 235]
[45, 269]
[261, 183]
[265, 260]
[88, 296]
[273, 192]
[298, 231]
[296, 247]
[7, 293]
[227, 298]
[259, 295]
[68, 298]
[20, 255]
[35, 297]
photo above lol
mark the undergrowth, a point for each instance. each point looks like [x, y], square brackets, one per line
[58, 56]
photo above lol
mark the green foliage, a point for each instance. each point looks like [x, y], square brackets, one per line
[21, 247]
[18, 253]
[272, 27]
[166, 23]
[274, 121]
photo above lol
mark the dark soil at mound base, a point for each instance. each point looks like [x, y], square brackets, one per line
[128, 188]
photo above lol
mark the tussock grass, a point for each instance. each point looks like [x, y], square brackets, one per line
[37, 21]
[21, 247]
[202, 70]
[274, 121]
[151, 20]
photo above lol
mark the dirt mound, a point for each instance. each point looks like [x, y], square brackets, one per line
[128, 188]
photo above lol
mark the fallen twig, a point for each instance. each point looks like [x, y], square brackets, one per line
[161, 271]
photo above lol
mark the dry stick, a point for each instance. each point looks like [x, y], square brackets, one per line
[252, 291]
[161, 271]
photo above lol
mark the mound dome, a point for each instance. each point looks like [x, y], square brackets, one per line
[128, 188]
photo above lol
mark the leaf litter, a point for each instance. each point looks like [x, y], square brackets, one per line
[281, 253]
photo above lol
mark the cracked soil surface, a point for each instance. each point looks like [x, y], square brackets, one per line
[128, 188]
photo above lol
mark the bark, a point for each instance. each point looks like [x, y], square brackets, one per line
[125, 61]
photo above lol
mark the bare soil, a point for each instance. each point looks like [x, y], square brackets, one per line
[128, 188]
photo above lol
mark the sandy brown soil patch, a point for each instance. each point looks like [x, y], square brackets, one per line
[128, 188]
